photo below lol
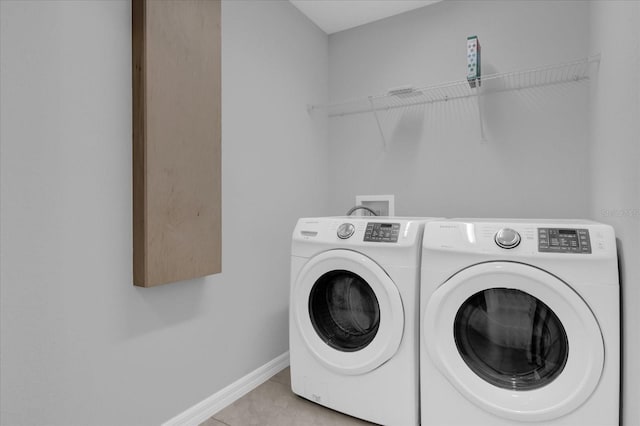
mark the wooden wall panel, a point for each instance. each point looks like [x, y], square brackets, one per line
[176, 140]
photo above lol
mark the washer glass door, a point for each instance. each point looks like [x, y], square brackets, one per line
[515, 340]
[344, 310]
[348, 311]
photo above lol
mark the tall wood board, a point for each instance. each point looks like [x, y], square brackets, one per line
[176, 140]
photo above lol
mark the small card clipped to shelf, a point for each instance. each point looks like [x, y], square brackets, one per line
[473, 61]
[403, 92]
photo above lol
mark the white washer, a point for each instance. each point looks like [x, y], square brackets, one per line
[354, 316]
[520, 323]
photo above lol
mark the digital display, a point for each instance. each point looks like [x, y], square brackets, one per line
[560, 240]
[382, 232]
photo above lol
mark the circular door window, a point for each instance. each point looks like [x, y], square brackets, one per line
[511, 339]
[515, 340]
[344, 311]
[348, 311]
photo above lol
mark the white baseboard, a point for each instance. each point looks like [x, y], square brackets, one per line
[227, 396]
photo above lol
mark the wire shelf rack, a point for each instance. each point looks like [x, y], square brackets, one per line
[515, 80]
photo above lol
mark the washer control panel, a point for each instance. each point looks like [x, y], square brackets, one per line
[382, 232]
[564, 240]
[345, 230]
[507, 238]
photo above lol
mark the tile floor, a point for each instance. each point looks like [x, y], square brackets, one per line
[273, 404]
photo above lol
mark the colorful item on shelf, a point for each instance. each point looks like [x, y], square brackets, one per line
[473, 61]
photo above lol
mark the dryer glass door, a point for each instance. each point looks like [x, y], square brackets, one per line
[515, 340]
[511, 339]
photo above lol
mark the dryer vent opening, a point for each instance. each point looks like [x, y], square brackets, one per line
[344, 311]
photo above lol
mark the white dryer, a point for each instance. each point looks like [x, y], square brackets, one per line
[520, 323]
[354, 316]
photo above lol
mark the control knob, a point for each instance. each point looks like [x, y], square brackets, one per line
[507, 238]
[346, 230]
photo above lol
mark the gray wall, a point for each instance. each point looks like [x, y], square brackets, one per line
[79, 344]
[614, 130]
[536, 161]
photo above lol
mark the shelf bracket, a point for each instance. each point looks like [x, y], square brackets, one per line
[483, 138]
[375, 114]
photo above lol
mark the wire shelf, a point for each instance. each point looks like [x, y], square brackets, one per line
[537, 77]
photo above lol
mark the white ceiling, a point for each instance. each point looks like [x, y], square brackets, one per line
[337, 15]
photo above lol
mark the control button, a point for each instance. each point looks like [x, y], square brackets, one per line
[507, 238]
[345, 231]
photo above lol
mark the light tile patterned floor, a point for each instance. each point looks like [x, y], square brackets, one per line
[273, 404]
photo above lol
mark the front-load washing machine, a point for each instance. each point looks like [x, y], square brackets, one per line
[520, 323]
[354, 316]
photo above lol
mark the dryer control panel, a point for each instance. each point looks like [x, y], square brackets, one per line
[564, 240]
[382, 232]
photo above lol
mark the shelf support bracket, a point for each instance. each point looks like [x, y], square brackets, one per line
[375, 114]
[483, 138]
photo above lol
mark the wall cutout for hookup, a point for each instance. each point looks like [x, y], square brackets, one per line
[382, 205]
[176, 140]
